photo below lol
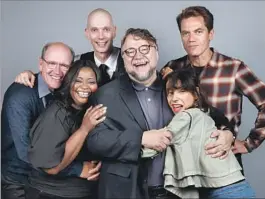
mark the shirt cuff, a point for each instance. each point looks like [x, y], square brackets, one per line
[250, 147]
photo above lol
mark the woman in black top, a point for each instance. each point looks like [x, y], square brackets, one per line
[64, 167]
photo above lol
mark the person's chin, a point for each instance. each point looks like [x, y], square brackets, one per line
[55, 85]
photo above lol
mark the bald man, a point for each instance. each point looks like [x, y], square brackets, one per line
[101, 31]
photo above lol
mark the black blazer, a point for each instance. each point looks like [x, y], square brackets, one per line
[117, 141]
[119, 68]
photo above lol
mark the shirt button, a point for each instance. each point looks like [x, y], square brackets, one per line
[146, 89]
[149, 100]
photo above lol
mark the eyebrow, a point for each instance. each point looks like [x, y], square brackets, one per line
[199, 29]
[186, 31]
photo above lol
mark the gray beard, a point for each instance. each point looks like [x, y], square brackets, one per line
[143, 78]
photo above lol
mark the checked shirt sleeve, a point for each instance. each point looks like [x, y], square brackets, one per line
[254, 90]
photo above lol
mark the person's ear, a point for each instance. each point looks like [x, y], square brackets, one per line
[114, 31]
[40, 64]
[211, 34]
[87, 34]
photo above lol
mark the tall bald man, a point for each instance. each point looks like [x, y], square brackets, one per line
[101, 31]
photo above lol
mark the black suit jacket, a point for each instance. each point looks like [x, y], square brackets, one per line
[119, 68]
[117, 141]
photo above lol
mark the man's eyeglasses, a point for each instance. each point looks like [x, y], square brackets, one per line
[52, 65]
[144, 49]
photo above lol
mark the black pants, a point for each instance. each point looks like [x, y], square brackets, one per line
[32, 193]
[160, 193]
[12, 191]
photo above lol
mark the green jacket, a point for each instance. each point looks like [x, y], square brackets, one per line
[186, 163]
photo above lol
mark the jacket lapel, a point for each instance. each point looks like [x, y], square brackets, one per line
[130, 99]
[120, 70]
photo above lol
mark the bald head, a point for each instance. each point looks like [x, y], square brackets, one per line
[58, 45]
[99, 14]
[100, 32]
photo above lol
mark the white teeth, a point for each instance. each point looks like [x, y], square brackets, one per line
[83, 94]
[140, 64]
[101, 44]
[176, 105]
[55, 77]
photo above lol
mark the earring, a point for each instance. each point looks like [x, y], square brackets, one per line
[196, 103]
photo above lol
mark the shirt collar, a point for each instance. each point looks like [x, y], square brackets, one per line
[213, 61]
[43, 89]
[156, 86]
[110, 62]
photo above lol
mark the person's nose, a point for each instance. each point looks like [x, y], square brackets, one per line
[138, 55]
[101, 34]
[57, 69]
[191, 37]
[175, 97]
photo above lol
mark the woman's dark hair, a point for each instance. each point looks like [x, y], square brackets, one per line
[63, 93]
[188, 82]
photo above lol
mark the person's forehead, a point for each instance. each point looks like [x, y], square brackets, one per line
[58, 48]
[193, 23]
[135, 41]
[86, 71]
[58, 53]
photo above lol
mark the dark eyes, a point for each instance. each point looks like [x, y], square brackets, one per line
[88, 82]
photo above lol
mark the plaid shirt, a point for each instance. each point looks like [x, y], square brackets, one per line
[224, 81]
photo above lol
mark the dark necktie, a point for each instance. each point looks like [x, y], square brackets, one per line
[49, 99]
[105, 78]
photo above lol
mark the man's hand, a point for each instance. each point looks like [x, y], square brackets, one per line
[91, 170]
[221, 147]
[92, 117]
[165, 71]
[156, 139]
[26, 77]
[239, 147]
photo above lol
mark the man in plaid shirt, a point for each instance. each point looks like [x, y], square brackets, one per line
[223, 80]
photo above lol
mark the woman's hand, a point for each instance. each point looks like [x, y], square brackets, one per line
[92, 117]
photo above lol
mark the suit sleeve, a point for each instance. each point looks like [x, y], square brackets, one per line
[18, 113]
[110, 140]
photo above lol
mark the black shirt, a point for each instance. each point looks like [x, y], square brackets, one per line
[48, 137]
